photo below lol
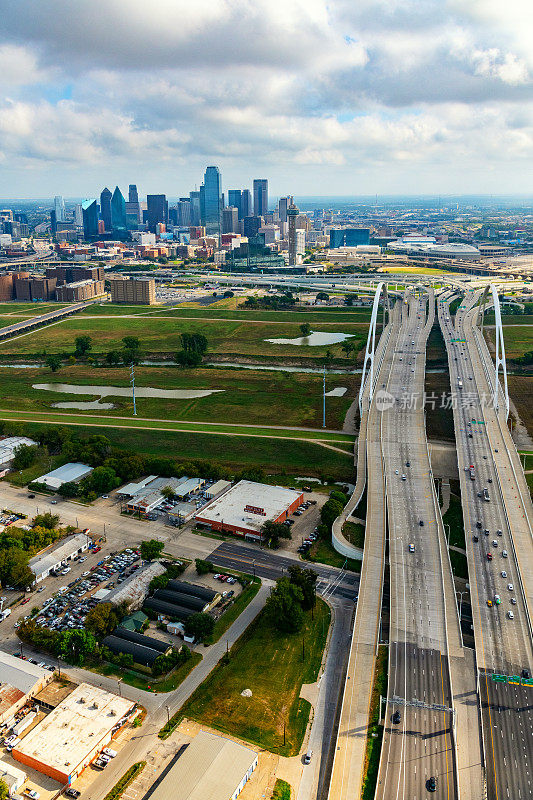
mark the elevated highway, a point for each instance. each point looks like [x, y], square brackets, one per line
[499, 550]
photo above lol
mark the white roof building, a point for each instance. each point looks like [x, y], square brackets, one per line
[245, 508]
[211, 768]
[19, 680]
[65, 474]
[8, 444]
[42, 564]
[71, 735]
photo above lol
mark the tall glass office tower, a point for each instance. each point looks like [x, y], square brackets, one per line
[89, 209]
[118, 211]
[210, 201]
[105, 208]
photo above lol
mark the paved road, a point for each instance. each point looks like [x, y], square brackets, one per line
[420, 745]
[349, 760]
[503, 645]
[268, 564]
[34, 322]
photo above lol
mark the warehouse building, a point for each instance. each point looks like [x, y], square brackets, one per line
[19, 682]
[216, 489]
[134, 589]
[8, 445]
[143, 649]
[55, 559]
[179, 599]
[74, 733]
[209, 596]
[150, 495]
[68, 473]
[165, 609]
[246, 507]
[211, 768]
[13, 777]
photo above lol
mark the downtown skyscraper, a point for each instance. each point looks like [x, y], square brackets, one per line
[210, 201]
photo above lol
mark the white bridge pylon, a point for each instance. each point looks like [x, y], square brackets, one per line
[500, 346]
[371, 341]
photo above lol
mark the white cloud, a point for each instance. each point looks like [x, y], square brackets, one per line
[306, 88]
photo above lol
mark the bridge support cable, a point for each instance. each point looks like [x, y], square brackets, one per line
[500, 346]
[371, 343]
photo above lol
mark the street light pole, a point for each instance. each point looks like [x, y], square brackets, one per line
[447, 525]
[168, 714]
[119, 681]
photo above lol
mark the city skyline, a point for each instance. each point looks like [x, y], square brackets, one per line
[387, 97]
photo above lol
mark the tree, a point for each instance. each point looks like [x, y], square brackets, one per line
[25, 455]
[102, 619]
[14, 569]
[168, 493]
[4, 790]
[47, 520]
[53, 361]
[306, 580]
[103, 479]
[83, 345]
[68, 489]
[348, 347]
[76, 645]
[151, 549]
[131, 342]
[284, 606]
[322, 296]
[330, 511]
[203, 567]
[272, 532]
[113, 357]
[340, 497]
[305, 329]
[200, 626]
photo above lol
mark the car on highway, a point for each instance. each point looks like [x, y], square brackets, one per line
[499, 532]
[411, 548]
[475, 538]
[489, 556]
[494, 543]
[510, 587]
[74, 793]
[421, 523]
[504, 574]
[510, 615]
[497, 599]
[489, 603]
[431, 784]
[504, 553]
[513, 601]
[396, 718]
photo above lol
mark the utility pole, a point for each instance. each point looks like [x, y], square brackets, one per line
[324, 400]
[132, 381]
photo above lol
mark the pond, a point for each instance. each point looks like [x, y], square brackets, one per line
[119, 391]
[315, 339]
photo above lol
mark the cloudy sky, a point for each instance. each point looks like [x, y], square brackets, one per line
[320, 96]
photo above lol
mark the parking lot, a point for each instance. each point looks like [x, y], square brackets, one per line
[65, 606]
[69, 607]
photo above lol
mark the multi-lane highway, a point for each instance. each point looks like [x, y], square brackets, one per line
[349, 760]
[417, 746]
[42, 319]
[495, 511]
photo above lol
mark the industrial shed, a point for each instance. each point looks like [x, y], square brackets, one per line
[19, 681]
[74, 733]
[180, 599]
[211, 768]
[141, 654]
[168, 609]
[140, 638]
[204, 592]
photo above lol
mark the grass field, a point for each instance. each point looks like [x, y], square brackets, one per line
[415, 270]
[518, 340]
[354, 532]
[521, 393]
[439, 419]
[29, 309]
[373, 742]
[510, 319]
[167, 684]
[454, 517]
[326, 315]
[245, 396]
[159, 335]
[276, 456]
[323, 552]
[274, 666]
